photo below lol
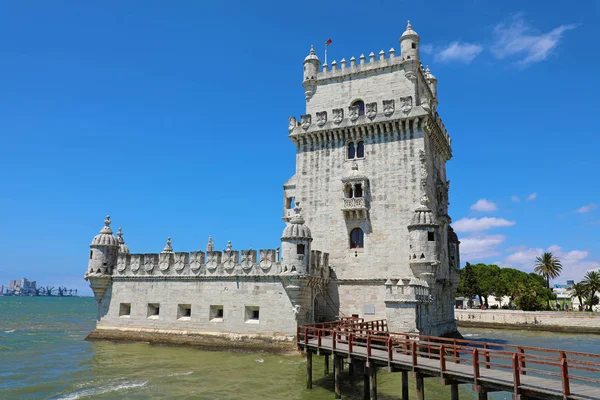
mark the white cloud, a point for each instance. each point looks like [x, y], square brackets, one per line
[426, 48]
[515, 199]
[516, 38]
[480, 224]
[575, 262]
[532, 196]
[484, 205]
[457, 51]
[586, 209]
[474, 249]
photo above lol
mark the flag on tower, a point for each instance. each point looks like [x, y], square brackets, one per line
[328, 42]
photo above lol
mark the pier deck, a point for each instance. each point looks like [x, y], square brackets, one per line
[527, 372]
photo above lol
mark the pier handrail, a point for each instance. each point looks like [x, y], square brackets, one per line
[521, 360]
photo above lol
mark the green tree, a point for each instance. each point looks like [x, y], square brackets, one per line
[487, 277]
[549, 267]
[534, 293]
[580, 291]
[467, 286]
[512, 283]
[591, 281]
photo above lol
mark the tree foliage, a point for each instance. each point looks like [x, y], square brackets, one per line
[548, 267]
[591, 282]
[527, 291]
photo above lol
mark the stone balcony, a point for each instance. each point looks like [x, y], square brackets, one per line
[355, 207]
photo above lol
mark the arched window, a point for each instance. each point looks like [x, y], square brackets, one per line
[348, 191]
[358, 192]
[361, 106]
[357, 239]
[360, 149]
[351, 150]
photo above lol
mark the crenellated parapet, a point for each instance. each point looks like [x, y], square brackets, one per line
[389, 117]
[408, 290]
[198, 263]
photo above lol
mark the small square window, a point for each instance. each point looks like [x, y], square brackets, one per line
[125, 310]
[153, 310]
[252, 314]
[216, 313]
[299, 249]
[431, 236]
[184, 312]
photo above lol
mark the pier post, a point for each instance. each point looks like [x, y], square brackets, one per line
[309, 369]
[373, 382]
[326, 365]
[454, 391]
[483, 394]
[366, 385]
[405, 385]
[420, 386]
[337, 361]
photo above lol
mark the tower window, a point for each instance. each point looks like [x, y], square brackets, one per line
[289, 203]
[360, 149]
[431, 236]
[300, 249]
[414, 45]
[252, 314]
[357, 239]
[358, 192]
[351, 150]
[361, 106]
[91, 252]
[348, 191]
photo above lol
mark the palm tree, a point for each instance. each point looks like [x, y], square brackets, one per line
[548, 267]
[591, 281]
[580, 291]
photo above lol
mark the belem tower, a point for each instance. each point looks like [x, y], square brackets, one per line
[367, 228]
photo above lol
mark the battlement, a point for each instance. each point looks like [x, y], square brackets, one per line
[408, 290]
[385, 118]
[374, 63]
[213, 264]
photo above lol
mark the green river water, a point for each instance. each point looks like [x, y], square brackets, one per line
[43, 355]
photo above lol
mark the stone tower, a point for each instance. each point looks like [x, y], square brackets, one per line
[371, 178]
[295, 244]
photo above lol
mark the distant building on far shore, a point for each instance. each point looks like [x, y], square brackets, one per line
[21, 286]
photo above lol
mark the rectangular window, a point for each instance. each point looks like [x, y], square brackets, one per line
[216, 313]
[300, 249]
[153, 310]
[431, 236]
[184, 312]
[125, 310]
[289, 203]
[252, 314]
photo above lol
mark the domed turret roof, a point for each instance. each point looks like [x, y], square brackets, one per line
[311, 55]
[429, 75]
[105, 237]
[423, 215]
[452, 236]
[123, 249]
[409, 32]
[296, 229]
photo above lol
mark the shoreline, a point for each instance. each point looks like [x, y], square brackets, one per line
[203, 341]
[548, 321]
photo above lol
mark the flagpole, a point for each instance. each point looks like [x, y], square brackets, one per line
[326, 54]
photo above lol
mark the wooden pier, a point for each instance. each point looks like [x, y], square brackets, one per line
[526, 372]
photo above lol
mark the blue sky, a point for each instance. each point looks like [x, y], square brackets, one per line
[173, 119]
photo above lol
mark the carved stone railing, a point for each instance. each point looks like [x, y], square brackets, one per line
[355, 203]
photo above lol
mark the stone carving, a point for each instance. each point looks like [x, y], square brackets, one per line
[411, 75]
[136, 262]
[442, 196]
[388, 107]
[292, 125]
[424, 199]
[163, 263]
[229, 258]
[371, 110]
[248, 257]
[406, 104]
[179, 264]
[150, 263]
[425, 103]
[354, 112]
[424, 174]
[321, 118]
[297, 309]
[213, 261]
[266, 259]
[338, 115]
[305, 121]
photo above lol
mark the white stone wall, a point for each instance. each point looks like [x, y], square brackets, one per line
[529, 318]
[276, 315]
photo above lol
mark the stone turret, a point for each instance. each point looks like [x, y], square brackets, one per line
[409, 44]
[103, 258]
[295, 244]
[423, 237]
[312, 64]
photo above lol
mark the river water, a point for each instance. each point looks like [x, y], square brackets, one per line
[43, 355]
